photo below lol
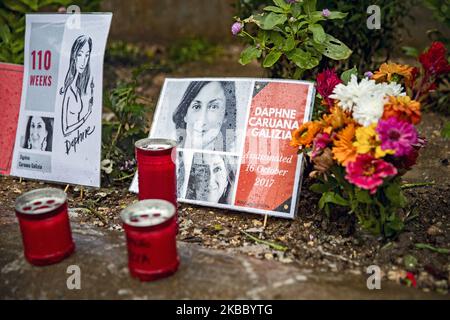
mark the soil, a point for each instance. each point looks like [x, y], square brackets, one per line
[311, 240]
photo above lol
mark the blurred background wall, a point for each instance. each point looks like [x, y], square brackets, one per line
[163, 21]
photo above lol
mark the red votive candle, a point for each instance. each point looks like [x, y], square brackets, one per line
[44, 223]
[157, 169]
[150, 229]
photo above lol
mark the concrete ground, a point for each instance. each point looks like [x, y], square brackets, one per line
[203, 274]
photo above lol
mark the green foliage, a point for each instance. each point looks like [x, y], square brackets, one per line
[12, 22]
[370, 47]
[189, 50]
[127, 126]
[245, 8]
[291, 37]
[440, 8]
[377, 213]
[446, 130]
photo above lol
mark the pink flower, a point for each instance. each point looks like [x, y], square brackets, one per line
[326, 81]
[397, 135]
[320, 142]
[326, 13]
[368, 74]
[368, 172]
[236, 28]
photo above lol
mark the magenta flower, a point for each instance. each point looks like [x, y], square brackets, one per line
[368, 172]
[397, 135]
[236, 28]
[320, 142]
[326, 13]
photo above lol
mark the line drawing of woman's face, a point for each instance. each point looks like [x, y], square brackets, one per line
[82, 58]
[205, 115]
[37, 132]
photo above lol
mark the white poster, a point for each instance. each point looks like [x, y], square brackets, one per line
[233, 141]
[59, 130]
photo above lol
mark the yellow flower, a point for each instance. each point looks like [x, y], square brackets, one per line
[304, 136]
[343, 150]
[336, 120]
[367, 140]
[388, 70]
[403, 108]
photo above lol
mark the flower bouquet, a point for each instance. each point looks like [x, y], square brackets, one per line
[366, 140]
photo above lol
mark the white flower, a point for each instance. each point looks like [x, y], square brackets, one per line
[369, 109]
[106, 165]
[346, 94]
[391, 89]
[365, 99]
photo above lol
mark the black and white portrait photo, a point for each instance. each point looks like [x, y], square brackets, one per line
[204, 115]
[212, 178]
[78, 89]
[38, 134]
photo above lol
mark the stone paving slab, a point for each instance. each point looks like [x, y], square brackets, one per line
[203, 274]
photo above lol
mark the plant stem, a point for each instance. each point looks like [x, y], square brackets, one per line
[416, 185]
[270, 244]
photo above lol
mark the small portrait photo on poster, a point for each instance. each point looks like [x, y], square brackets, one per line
[212, 178]
[38, 134]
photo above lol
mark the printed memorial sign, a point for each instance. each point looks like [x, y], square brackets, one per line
[10, 90]
[59, 130]
[233, 141]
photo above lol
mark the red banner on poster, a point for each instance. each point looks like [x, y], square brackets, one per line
[11, 76]
[268, 169]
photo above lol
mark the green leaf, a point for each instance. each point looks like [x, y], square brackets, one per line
[430, 247]
[5, 34]
[395, 195]
[289, 44]
[274, 9]
[446, 130]
[411, 51]
[410, 262]
[333, 48]
[319, 35]
[303, 59]
[319, 187]
[18, 6]
[346, 75]
[271, 58]
[282, 4]
[363, 196]
[296, 10]
[332, 197]
[317, 16]
[268, 22]
[309, 6]
[250, 53]
[277, 39]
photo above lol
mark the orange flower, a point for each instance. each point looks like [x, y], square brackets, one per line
[343, 150]
[335, 120]
[388, 70]
[303, 136]
[403, 108]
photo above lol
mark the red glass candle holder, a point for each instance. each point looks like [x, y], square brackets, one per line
[44, 223]
[150, 229]
[156, 161]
